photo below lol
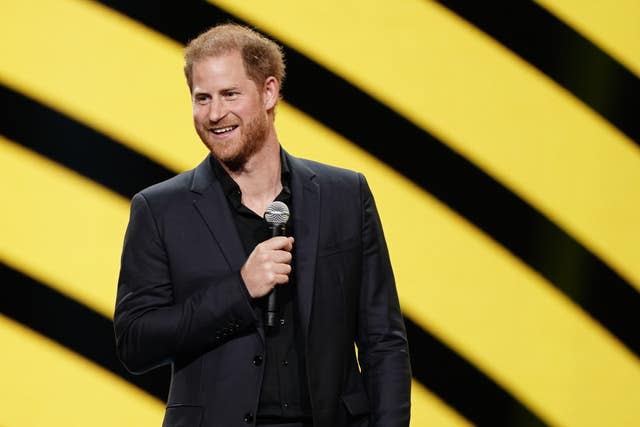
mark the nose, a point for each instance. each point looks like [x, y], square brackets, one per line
[217, 110]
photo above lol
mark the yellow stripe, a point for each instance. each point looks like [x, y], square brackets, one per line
[483, 302]
[61, 228]
[62, 248]
[74, 258]
[68, 248]
[613, 26]
[102, 69]
[428, 410]
[484, 101]
[44, 384]
[460, 284]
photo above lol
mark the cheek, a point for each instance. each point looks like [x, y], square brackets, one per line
[199, 122]
[199, 113]
[200, 126]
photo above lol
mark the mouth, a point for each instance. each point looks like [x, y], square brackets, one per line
[223, 130]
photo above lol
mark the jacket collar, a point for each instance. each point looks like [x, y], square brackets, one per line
[212, 205]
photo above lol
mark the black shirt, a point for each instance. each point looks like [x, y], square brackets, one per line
[284, 395]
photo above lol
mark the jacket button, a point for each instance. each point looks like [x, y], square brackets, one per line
[248, 417]
[257, 360]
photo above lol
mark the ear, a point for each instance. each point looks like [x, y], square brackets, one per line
[270, 92]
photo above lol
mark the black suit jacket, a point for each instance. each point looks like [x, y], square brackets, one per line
[180, 301]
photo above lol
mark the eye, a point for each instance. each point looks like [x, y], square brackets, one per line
[231, 94]
[201, 98]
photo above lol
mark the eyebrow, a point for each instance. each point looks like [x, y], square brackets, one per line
[197, 91]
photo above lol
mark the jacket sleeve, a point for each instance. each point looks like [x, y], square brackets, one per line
[151, 328]
[382, 343]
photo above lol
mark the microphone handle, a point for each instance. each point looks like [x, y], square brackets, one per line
[272, 311]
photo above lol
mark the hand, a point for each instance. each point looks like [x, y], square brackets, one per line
[267, 266]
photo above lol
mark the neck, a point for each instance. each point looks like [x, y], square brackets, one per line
[259, 180]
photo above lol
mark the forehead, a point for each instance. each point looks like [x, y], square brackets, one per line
[224, 69]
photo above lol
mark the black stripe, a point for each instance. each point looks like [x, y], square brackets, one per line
[447, 175]
[35, 305]
[462, 385]
[71, 324]
[76, 146]
[90, 334]
[561, 53]
[428, 162]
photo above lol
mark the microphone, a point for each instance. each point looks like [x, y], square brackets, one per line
[276, 215]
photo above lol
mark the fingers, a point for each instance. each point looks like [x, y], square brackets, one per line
[281, 279]
[278, 242]
[281, 269]
[268, 265]
[282, 256]
[277, 267]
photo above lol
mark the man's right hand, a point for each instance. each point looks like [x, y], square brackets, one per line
[267, 266]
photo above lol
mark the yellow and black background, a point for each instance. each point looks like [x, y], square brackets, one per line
[501, 140]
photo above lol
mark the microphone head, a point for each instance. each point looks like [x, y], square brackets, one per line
[277, 213]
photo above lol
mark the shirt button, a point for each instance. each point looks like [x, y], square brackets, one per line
[257, 360]
[285, 405]
[281, 322]
[285, 363]
[248, 417]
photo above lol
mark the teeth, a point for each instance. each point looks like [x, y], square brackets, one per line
[223, 130]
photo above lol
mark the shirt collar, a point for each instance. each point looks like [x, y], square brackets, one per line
[231, 188]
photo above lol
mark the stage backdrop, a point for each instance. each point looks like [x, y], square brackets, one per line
[502, 143]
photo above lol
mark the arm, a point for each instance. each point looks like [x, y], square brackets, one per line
[381, 339]
[151, 328]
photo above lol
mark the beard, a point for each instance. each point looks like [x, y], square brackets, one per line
[235, 154]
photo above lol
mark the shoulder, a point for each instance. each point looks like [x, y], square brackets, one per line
[328, 174]
[196, 180]
[167, 195]
[168, 188]
[340, 187]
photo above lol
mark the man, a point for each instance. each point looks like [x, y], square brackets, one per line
[199, 262]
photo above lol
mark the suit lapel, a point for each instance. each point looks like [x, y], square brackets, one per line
[214, 210]
[306, 202]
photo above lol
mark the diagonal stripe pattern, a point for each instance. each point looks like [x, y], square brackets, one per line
[503, 335]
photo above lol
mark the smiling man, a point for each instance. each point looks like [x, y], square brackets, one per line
[199, 264]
